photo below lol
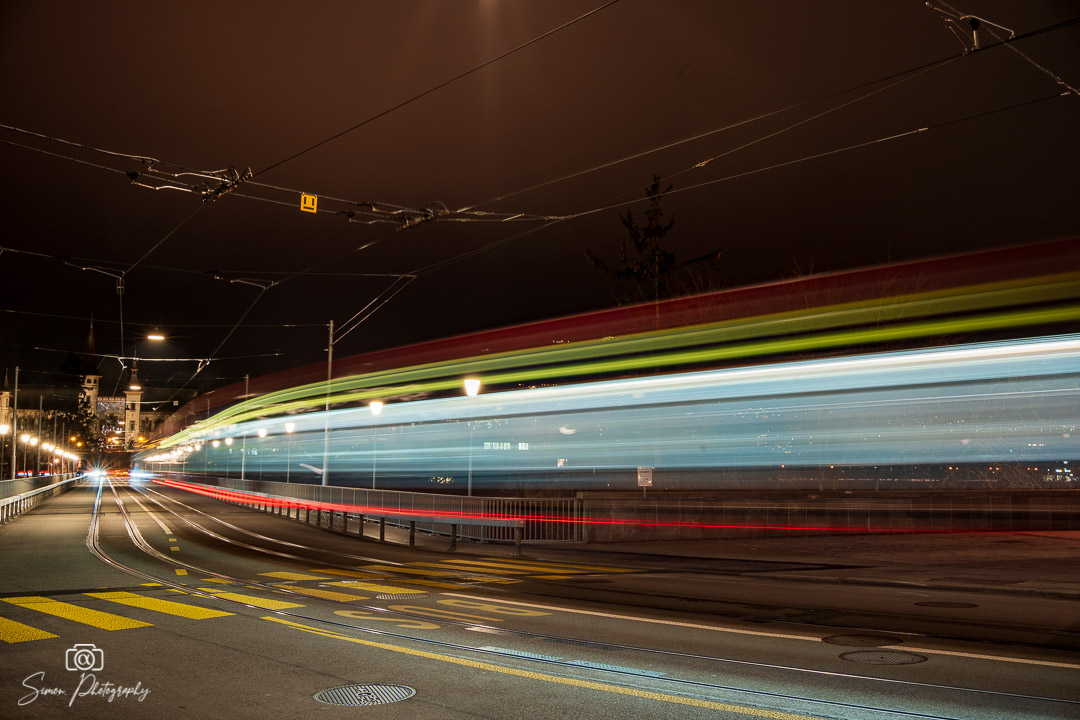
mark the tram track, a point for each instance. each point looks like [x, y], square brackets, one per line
[697, 688]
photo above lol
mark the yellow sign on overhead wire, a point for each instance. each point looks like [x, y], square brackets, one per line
[308, 203]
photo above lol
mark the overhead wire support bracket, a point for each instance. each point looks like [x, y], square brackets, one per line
[956, 21]
[233, 178]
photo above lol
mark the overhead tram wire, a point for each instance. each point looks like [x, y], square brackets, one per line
[921, 69]
[437, 87]
[612, 206]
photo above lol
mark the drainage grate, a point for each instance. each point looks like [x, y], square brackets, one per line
[402, 596]
[358, 695]
[883, 657]
[862, 640]
[946, 604]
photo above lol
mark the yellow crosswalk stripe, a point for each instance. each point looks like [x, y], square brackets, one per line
[194, 612]
[223, 581]
[530, 567]
[325, 594]
[376, 588]
[86, 616]
[291, 576]
[252, 600]
[181, 571]
[473, 569]
[410, 570]
[352, 573]
[13, 632]
[559, 565]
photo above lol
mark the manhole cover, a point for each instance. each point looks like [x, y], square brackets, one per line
[883, 657]
[861, 640]
[942, 604]
[402, 596]
[357, 695]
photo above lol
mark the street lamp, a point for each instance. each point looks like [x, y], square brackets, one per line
[472, 388]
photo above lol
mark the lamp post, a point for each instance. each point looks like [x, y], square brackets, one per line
[4, 430]
[376, 407]
[15, 422]
[261, 433]
[289, 427]
[243, 442]
[326, 413]
[472, 388]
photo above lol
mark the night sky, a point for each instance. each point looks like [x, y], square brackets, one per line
[211, 85]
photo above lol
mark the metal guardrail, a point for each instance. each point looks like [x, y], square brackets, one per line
[541, 520]
[16, 504]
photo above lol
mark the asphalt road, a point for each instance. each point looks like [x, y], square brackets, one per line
[137, 601]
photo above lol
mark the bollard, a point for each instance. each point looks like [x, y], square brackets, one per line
[360, 526]
[382, 529]
[412, 533]
[517, 540]
[453, 538]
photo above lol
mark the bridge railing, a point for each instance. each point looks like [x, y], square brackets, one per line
[16, 503]
[490, 519]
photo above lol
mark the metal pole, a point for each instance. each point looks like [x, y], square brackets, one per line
[15, 424]
[326, 415]
[374, 455]
[243, 449]
[470, 457]
[37, 453]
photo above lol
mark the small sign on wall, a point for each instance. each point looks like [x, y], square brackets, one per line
[644, 476]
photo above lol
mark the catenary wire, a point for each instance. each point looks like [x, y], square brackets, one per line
[439, 86]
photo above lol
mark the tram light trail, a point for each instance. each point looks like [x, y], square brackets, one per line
[1014, 401]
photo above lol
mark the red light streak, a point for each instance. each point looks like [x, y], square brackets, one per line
[451, 517]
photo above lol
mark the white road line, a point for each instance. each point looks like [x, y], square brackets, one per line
[736, 631]
[162, 525]
[716, 628]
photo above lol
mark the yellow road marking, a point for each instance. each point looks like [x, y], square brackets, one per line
[291, 576]
[223, 581]
[181, 571]
[151, 584]
[559, 565]
[507, 566]
[353, 573]
[13, 632]
[174, 549]
[473, 569]
[411, 571]
[86, 616]
[544, 677]
[376, 588]
[325, 594]
[252, 600]
[163, 606]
